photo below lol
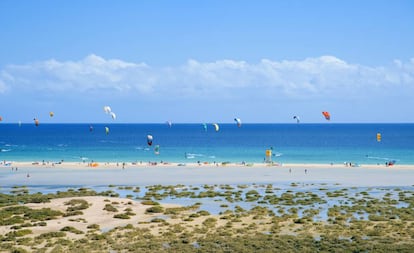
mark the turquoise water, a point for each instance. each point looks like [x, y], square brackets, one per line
[291, 143]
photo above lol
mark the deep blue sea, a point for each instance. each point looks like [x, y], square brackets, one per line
[291, 143]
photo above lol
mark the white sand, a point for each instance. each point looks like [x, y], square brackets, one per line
[95, 214]
[105, 174]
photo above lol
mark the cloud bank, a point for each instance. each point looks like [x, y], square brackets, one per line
[311, 77]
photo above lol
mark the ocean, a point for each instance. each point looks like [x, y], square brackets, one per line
[290, 143]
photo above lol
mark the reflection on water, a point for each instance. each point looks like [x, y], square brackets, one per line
[304, 199]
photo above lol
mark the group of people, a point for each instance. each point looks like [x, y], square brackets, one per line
[350, 164]
[16, 168]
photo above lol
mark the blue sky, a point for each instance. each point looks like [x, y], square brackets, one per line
[207, 61]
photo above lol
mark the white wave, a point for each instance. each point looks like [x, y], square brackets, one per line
[142, 148]
[378, 158]
[5, 150]
[381, 158]
[193, 154]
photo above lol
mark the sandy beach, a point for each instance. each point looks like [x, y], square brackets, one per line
[94, 214]
[33, 173]
[320, 187]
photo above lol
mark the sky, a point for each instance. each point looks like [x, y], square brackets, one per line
[207, 61]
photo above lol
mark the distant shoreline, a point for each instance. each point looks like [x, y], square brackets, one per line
[111, 164]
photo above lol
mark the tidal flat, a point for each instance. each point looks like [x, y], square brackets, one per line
[300, 217]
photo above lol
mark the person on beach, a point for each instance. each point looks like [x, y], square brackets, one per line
[290, 170]
[306, 171]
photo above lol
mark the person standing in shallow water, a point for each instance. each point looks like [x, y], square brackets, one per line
[306, 171]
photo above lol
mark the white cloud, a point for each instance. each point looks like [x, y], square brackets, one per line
[325, 75]
[2, 87]
[91, 73]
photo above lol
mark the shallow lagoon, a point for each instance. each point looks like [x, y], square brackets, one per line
[299, 198]
[312, 215]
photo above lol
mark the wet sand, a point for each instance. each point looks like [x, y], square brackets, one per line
[169, 174]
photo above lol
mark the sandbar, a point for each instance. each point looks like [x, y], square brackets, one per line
[82, 174]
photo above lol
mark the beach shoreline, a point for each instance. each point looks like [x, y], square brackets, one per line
[83, 174]
[83, 165]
